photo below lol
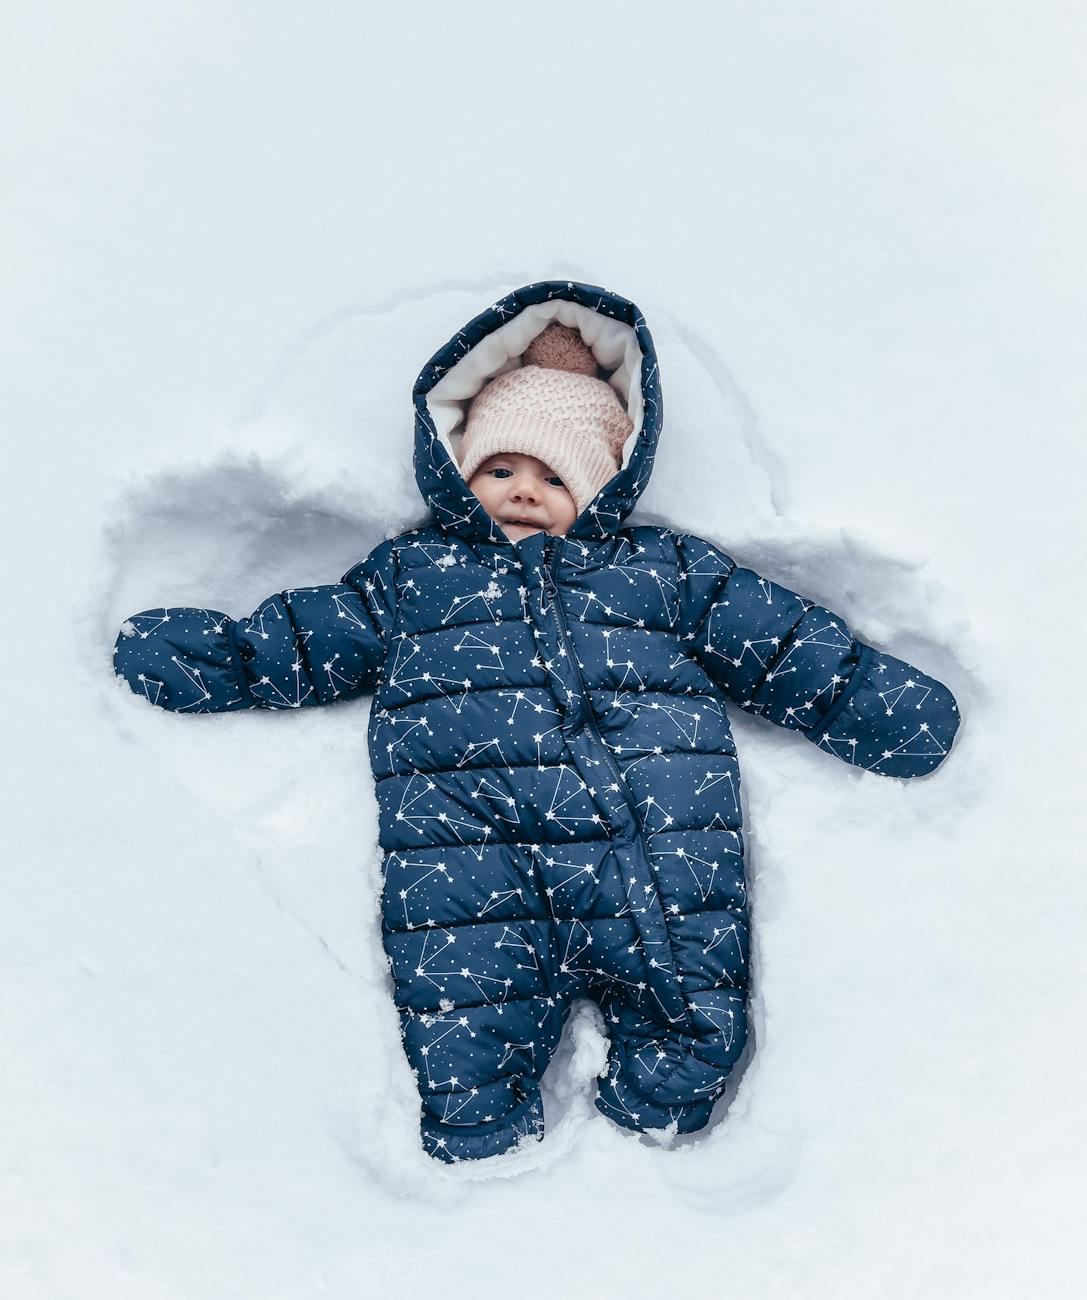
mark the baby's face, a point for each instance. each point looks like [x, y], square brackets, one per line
[523, 495]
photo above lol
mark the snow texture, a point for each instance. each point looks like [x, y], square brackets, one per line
[233, 235]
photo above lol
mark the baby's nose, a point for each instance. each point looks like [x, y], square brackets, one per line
[526, 490]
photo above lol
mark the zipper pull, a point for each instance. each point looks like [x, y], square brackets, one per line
[553, 548]
[549, 590]
[547, 579]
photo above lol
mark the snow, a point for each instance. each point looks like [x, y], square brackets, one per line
[232, 236]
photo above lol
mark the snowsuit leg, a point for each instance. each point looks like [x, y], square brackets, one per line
[478, 1062]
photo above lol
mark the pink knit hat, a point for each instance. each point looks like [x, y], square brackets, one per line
[553, 408]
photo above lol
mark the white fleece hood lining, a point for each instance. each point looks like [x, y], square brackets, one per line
[613, 344]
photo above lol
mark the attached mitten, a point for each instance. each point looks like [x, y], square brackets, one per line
[891, 718]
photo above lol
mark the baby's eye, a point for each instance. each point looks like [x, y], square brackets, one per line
[555, 481]
[500, 470]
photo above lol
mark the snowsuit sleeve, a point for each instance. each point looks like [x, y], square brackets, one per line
[784, 658]
[309, 645]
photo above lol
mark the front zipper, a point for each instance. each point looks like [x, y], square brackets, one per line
[551, 587]
[551, 556]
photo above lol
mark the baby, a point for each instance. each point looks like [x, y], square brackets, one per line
[557, 782]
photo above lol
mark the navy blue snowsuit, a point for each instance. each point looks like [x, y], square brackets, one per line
[556, 777]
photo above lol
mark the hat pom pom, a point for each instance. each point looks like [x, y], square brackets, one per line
[560, 347]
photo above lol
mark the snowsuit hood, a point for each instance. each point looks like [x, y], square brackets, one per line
[493, 343]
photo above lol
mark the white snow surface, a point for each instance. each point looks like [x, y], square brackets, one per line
[232, 236]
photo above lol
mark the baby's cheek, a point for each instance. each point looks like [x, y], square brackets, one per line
[478, 487]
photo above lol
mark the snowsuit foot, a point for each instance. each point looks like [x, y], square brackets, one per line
[660, 1073]
[628, 1108]
[478, 1069]
[452, 1143]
